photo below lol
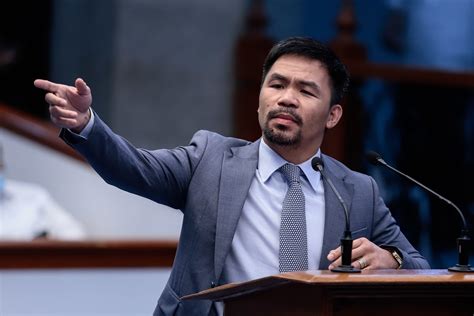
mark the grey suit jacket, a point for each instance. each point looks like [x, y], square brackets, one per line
[208, 180]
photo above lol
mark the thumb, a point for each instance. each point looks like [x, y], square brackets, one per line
[82, 88]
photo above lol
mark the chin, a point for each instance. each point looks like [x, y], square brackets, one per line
[282, 137]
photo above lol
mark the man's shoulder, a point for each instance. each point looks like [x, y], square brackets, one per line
[216, 139]
[342, 171]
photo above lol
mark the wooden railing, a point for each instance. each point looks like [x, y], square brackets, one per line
[34, 129]
[405, 74]
[48, 254]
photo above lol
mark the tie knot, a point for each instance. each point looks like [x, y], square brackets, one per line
[291, 172]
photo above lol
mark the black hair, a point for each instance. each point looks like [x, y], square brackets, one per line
[312, 49]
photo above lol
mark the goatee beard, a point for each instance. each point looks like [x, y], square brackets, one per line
[278, 136]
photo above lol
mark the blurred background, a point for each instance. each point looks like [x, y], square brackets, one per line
[161, 70]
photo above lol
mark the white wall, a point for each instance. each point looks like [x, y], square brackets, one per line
[92, 292]
[105, 211]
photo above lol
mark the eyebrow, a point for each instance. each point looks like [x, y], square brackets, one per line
[307, 83]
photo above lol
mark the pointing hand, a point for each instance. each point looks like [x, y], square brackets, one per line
[68, 105]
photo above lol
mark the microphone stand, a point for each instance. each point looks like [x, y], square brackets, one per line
[346, 253]
[346, 240]
[463, 242]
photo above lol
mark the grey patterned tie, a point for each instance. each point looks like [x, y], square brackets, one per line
[293, 254]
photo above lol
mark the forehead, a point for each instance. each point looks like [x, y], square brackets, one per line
[301, 68]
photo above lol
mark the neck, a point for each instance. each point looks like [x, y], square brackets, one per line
[295, 154]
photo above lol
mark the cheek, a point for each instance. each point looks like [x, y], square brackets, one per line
[260, 110]
[266, 97]
[317, 120]
[261, 100]
[261, 115]
[262, 107]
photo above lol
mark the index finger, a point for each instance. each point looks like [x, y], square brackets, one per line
[358, 242]
[46, 85]
[334, 254]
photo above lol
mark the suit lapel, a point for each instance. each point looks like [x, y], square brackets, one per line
[335, 221]
[238, 169]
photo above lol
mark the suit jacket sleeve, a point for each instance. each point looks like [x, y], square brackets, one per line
[161, 175]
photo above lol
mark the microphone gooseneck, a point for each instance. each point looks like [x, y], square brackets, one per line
[463, 241]
[376, 159]
[346, 240]
[318, 165]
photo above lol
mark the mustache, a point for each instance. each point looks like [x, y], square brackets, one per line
[289, 111]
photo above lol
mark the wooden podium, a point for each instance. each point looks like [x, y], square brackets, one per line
[379, 292]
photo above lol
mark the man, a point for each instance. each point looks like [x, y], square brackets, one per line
[232, 192]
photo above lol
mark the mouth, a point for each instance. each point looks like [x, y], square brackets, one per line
[285, 117]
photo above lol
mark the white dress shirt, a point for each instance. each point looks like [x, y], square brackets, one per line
[255, 247]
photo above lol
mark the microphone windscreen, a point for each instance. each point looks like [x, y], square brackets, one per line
[317, 164]
[373, 157]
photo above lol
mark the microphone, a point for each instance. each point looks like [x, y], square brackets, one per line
[346, 240]
[462, 242]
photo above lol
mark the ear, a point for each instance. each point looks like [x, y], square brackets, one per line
[335, 114]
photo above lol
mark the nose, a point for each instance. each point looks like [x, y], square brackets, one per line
[288, 98]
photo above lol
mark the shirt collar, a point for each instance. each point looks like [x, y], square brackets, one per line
[269, 162]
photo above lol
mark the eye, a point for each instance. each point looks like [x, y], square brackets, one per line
[276, 86]
[308, 93]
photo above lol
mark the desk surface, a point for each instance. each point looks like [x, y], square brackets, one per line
[328, 278]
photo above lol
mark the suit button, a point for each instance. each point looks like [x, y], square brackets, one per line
[213, 284]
